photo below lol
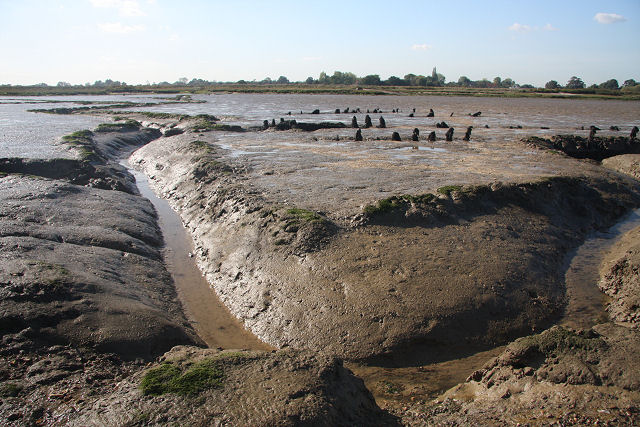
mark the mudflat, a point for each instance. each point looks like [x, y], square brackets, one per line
[395, 256]
[87, 302]
[465, 266]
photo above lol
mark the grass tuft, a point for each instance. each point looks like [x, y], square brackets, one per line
[304, 215]
[191, 381]
[448, 189]
[128, 125]
[395, 202]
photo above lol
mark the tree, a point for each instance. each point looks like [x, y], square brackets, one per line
[411, 79]
[575, 83]
[323, 78]
[63, 84]
[422, 81]
[371, 79]
[610, 84]
[464, 81]
[396, 81]
[484, 83]
[508, 83]
[282, 80]
[551, 84]
[497, 82]
[198, 82]
[310, 81]
[340, 78]
[629, 83]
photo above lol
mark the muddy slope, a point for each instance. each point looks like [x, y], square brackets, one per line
[564, 376]
[86, 301]
[471, 267]
[596, 148]
[82, 264]
[283, 388]
[621, 280]
[628, 164]
[559, 376]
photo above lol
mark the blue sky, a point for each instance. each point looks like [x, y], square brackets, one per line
[136, 41]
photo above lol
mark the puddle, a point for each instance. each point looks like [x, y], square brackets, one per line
[211, 319]
[419, 383]
[422, 148]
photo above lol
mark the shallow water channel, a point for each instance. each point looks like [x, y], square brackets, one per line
[585, 301]
[211, 319]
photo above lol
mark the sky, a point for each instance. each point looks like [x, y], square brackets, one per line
[140, 41]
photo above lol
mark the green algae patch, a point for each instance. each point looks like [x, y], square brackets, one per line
[190, 381]
[205, 126]
[448, 189]
[295, 218]
[79, 136]
[559, 339]
[82, 142]
[206, 123]
[304, 215]
[127, 125]
[199, 145]
[10, 389]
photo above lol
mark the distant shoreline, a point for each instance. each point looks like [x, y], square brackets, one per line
[320, 90]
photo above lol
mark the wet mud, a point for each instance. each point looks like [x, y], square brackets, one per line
[87, 303]
[251, 165]
[213, 322]
[411, 260]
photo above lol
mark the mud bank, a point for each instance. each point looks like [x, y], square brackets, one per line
[464, 269]
[81, 263]
[559, 376]
[597, 148]
[563, 376]
[256, 388]
[86, 301]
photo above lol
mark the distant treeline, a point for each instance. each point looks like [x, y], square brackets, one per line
[338, 82]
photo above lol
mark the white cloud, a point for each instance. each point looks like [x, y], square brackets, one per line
[311, 58]
[421, 47]
[524, 28]
[520, 28]
[120, 28]
[124, 7]
[609, 18]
